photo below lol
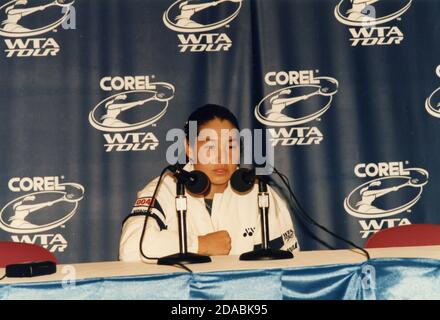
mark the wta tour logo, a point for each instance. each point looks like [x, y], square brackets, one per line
[193, 19]
[20, 24]
[367, 17]
[137, 104]
[391, 190]
[432, 103]
[45, 205]
[305, 99]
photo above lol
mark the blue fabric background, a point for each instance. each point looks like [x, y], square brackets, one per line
[390, 279]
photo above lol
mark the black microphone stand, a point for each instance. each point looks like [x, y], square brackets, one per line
[265, 253]
[183, 257]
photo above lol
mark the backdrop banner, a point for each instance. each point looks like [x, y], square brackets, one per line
[349, 92]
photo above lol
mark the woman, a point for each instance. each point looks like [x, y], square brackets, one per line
[221, 222]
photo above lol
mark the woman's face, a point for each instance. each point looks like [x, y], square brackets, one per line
[217, 152]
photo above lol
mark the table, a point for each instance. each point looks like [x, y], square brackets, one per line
[392, 273]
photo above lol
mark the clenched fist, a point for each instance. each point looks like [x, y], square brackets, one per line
[215, 244]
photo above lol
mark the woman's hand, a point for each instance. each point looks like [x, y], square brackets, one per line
[215, 244]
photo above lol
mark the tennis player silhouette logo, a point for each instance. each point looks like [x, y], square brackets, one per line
[22, 210]
[113, 108]
[432, 103]
[370, 193]
[366, 13]
[273, 109]
[359, 10]
[181, 15]
[15, 11]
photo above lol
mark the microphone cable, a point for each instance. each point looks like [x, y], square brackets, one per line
[305, 215]
[147, 215]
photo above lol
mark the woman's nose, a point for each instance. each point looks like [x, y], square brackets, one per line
[224, 155]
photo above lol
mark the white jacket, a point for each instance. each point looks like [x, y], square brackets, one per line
[237, 214]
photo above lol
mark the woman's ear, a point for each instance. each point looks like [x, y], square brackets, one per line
[186, 147]
[188, 152]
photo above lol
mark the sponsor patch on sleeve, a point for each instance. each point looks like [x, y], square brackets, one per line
[142, 204]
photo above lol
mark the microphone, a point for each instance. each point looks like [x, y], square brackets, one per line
[198, 183]
[243, 179]
[195, 181]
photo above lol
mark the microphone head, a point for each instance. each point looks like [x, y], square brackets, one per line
[242, 180]
[198, 182]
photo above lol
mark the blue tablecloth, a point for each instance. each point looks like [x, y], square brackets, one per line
[375, 279]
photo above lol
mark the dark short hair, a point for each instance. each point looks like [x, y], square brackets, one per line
[210, 112]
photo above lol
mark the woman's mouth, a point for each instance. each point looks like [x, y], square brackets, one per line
[220, 172]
